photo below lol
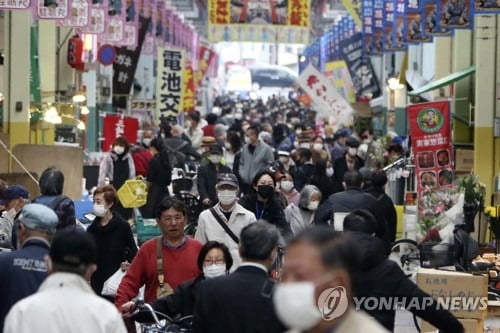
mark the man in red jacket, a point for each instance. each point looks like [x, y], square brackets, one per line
[179, 255]
[141, 153]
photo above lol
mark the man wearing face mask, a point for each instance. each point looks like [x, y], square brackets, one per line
[13, 199]
[339, 148]
[223, 223]
[350, 161]
[242, 301]
[318, 271]
[22, 271]
[208, 173]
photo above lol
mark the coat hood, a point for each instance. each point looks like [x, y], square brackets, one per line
[371, 249]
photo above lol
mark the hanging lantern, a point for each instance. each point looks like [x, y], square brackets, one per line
[75, 53]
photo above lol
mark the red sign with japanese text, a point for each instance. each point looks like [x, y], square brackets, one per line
[189, 100]
[205, 56]
[430, 131]
[118, 125]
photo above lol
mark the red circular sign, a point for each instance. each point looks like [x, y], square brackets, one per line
[106, 54]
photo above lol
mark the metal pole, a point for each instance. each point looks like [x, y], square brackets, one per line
[18, 162]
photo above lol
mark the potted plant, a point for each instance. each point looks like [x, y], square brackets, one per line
[474, 192]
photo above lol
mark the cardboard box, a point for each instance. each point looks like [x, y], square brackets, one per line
[465, 295]
[470, 326]
[464, 160]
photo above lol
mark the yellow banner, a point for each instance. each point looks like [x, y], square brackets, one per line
[170, 82]
[353, 7]
[259, 21]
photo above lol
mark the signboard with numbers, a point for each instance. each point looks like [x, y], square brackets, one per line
[430, 132]
[169, 84]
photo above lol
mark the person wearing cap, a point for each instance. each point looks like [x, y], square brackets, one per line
[208, 173]
[228, 211]
[286, 160]
[13, 198]
[339, 148]
[350, 161]
[22, 271]
[65, 302]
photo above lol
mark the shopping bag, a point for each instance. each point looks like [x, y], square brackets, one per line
[111, 285]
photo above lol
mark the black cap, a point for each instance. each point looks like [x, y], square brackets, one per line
[73, 247]
[216, 149]
[352, 142]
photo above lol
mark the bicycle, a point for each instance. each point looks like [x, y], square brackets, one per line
[166, 324]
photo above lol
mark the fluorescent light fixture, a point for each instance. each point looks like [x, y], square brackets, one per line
[79, 98]
[81, 126]
[84, 110]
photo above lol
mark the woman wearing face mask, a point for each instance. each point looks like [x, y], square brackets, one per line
[301, 215]
[214, 260]
[288, 190]
[159, 176]
[318, 149]
[264, 202]
[194, 131]
[118, 166]
[233, 147]
[322, 178]
[115, 243]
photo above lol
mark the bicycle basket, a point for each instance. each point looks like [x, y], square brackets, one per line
[436, 254]
[133, 193]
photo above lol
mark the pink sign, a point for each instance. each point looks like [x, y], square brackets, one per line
[97, 22]
[53, 13]
[79, 15]
[15, 4]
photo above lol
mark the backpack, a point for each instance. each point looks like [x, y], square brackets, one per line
[52, 203]
[176, 157]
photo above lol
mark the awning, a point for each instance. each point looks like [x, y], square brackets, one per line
[444, 81]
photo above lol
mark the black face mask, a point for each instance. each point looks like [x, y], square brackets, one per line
[265, 191]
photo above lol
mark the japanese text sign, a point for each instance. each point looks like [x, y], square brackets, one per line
[430, 131]
[170, 82]
[118, 125]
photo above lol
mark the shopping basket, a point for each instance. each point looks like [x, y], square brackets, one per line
[134, 193]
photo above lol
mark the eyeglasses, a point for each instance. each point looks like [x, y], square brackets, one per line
[212, 262]
[169, 219]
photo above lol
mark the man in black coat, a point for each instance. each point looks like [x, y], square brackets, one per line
[384, 202]
[352, 198]
[350, 161]
[208, 174]
[242, 301]
[382, 278]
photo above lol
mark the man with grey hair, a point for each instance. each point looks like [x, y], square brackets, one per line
[22, 271]
[242, 301]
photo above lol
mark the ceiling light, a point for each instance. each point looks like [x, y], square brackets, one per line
[84, 110]
[79, 98]
[81, 126]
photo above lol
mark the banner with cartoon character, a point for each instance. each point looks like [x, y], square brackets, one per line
[415, 32]
[432, 23]
[430, 132]
[487, 6]
[456, 14]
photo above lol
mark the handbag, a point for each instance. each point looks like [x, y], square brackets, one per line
[164, 289]
[224, 226]
[111, 285]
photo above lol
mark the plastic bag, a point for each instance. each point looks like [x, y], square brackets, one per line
[111, 285]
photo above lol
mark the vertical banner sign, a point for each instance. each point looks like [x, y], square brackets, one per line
[169, 84]
[79, 15]
[398, 32]
[389, 7]
[430, 132]
[367, 14]
[35, 64]
[353, 7]
[148, 46]
[415, 23]
[361, 69]
[118, 125]
[97, 21]
[325, 96]
[60, 11]
[378, 24]
[432, 21]
[126, 61]
[205, 56]
[456, 14]
[189, 98]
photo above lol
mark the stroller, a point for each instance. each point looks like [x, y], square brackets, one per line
[182, 186]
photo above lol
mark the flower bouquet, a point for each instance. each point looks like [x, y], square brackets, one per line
[474, 192]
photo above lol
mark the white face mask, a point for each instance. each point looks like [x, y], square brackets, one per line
[284, 159]
[214, 270]
[295, 305]
[188, 124]
[298, 132]
[352, 151]
[162, 135]
[146, 142]
[306, 145]
[227, 145]
[215, 159]
[313, 205]
[329, 172]
[318, 146]
[99, 210]
[227, 197]
[287, 185]
[119, 150]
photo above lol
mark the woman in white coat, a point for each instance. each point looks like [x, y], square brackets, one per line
[301, 216]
